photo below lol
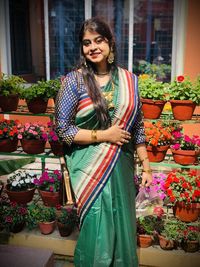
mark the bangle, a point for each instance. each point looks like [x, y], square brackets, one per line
[147, 171]
[94, 135]
[142, 160]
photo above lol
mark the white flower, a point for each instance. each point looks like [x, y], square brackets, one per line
[27, 180]
[14, 183]
[21, 182]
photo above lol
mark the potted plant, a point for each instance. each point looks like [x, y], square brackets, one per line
[67, 220]
[37, 96]
[10, 91]
[152, 95]
[170, 236]
[183, 192]
[8, 135]
[49, 184]
[158, 139]
[54, 140]
[13, 216]
[20, 186]
[54, 86]
[42, 216]
[185, 149]
[183, 97]
[191, 237]
[145, 230]
[33, 137]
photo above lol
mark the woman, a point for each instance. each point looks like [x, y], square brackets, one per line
[98, 116]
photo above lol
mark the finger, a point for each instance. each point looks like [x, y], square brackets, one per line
[119, 143]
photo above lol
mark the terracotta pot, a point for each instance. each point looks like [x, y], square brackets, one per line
[57, 148]
[186, 213]
[184, 157]
[165, 244]
[9, 103]
[144, 241]
[37, 105]
[16, 228]
[46, 228]
[50, 199]
[33, 146]
[190, 246]
[182, 109]
[152, 109]
[21, 197]
[157, 153]
[65, 229]
[7, 145]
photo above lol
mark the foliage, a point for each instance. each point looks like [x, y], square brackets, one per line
[183, 185]
[11, 84]
[173, 229]
[39, 213]
[161, 71]
[11, 213]
[67, 216]
[151, 88]
[191, 232]
[184, 142]
[8, 129]
[183, 89]
[159, 133]
[35, 130]
[42, 89]
[49, 181]
[52, 135]
[149, 224]
[21, 181]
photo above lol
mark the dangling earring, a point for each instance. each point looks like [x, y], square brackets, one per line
[85, 63]
[111, 57]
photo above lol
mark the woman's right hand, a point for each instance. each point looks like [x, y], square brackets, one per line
[117, 135]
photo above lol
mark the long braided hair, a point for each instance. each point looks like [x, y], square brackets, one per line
[96, 25]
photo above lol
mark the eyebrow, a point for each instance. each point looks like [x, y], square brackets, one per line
[99, 36]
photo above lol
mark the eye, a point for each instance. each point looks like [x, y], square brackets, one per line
[86, 43]
[99, 40]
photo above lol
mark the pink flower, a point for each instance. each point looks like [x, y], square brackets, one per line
[19, 136]
[51, 188]
[176, 146]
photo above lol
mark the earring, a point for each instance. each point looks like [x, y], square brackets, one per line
[111, 57]
[85, 63]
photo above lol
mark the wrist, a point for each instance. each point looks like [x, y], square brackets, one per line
[147, 171]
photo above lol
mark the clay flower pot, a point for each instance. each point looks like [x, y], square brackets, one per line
[50, 199]
[152, 109]
[37, 105]
[33, 146]
[184, 157]
[21, 197]
[165, 243]
[186, 213]
[182, 109]
[9, 103]
[7, 145]
[144, 241]
[157, 153]
[47, 228]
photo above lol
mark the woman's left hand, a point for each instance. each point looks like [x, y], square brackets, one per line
[146, 179]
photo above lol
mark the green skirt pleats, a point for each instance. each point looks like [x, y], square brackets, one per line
[108, 233]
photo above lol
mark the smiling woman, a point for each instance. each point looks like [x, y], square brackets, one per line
[98, 116]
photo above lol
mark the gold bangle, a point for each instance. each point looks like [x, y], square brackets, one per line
[142, 160]
[94, 135]
[147, 171]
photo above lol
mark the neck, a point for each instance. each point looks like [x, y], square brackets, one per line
[99, 73]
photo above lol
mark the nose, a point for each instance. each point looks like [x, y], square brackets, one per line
[93, 46]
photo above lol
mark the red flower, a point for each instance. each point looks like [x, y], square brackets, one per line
[180, 78]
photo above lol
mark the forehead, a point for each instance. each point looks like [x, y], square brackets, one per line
[90, 35]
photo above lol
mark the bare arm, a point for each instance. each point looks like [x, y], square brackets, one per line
[115, 134]
[146, 169]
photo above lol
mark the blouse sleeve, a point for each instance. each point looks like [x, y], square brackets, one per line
[138, 128]
[65, 109]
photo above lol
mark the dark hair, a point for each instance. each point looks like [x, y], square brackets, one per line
[96, 25]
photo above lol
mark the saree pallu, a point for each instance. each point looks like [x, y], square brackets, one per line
[102, 179]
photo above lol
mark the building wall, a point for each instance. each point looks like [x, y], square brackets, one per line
[192, 51]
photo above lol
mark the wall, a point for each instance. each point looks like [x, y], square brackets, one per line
[192, 51]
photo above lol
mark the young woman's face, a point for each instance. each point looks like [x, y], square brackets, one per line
[95, 47]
